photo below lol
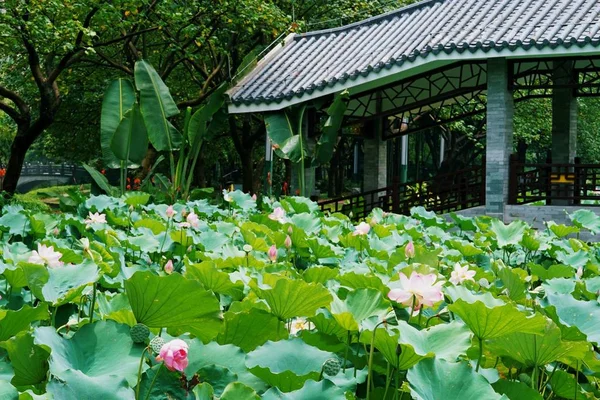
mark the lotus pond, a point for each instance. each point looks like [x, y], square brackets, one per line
[124, 299]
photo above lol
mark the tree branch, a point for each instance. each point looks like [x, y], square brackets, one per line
[15, 98]
[11, 112]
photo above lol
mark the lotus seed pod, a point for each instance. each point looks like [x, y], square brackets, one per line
[156, 344]
[332, 367]
[139, 333]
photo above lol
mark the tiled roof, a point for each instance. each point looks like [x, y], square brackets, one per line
[312, 62]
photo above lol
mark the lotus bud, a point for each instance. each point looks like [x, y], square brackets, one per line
[272, 253]
[170, 212]
[288, 242]
[189, 249]
[409, 250]
[579, 272]
[254, 197]
[169, 267]
[56, 232]
[290, 230]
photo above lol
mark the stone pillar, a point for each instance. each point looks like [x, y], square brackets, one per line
[564, 115]
[375, 159]
[499, 138]
[564, 124]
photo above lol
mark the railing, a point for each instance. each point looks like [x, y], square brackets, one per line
[445, 193]
[51, 169]
[549, 182]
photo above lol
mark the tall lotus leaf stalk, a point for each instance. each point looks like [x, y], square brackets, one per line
[371, 351]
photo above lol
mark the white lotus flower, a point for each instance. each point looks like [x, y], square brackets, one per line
[95, 218]
[461, 274]
[45, 255]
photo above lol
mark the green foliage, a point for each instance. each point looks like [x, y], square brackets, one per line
[261, 325]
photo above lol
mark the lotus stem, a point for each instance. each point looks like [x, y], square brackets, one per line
[153, 380]
[93, 305]
[139, 377]
[346, 352]
[370, 370]
[480, 354]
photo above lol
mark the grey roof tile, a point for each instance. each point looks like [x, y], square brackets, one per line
[314, 61]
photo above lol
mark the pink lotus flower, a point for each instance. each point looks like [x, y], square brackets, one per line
[45, 255]
[169, 267]
[278, 214]
[409, 250]
[287, 242]
[272, 253]
[461, 274]
[95, 218]
[193, 219]
[170, 212]
[174, 354]
[421, 289]
[362, 229]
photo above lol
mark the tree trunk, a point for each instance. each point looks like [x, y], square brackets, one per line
[246, 157]
[23, 140]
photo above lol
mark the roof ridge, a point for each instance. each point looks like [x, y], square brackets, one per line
[368, 21]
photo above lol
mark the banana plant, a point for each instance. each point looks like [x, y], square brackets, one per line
[285, 130]
[130, 121]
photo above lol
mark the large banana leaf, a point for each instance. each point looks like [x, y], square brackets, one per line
[285, 131]
[198, 129]
[118, 99]
[130, 141]
[156, 105]
[328, 139]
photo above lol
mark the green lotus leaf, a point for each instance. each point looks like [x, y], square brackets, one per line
[387, 343]
[565, 386]
[359, 305]
[462, 293]
[584, 315]
[489, 323]
[573, 259]
[116, 308]
[586, 219]
[60, 285]
[446, 341]
[165, 385]
[299, 205]
[554, 271]
[75, 385]
[354, 280]
[295, 298]
[432, 377]
[286, 364]
[322, 390]
[251, 329]
[559, 286]
[227, 356]
[516, 390]
[13, 322]
[238, 391]
[101, 203]
[136, 199]
[15, 221]
[465, 248]
[8, 391]
[242, 200]
[535, 350]
[507, 235]
[325, 323]
[562, 231]
[307, 222]
[101, 355]
[212, 241]
[174, 302]
[319, 274]
[29, 362]
[513, 283]
[211, 278]
[154, 225]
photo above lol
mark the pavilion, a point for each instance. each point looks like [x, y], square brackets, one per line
[453, 59]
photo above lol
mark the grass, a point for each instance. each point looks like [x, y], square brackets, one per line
[45, 199]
